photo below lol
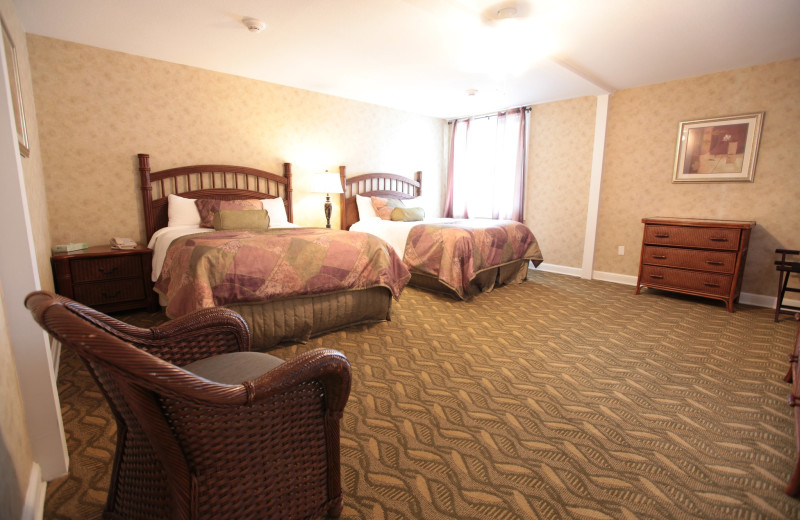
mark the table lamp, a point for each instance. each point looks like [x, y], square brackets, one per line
[327, 183]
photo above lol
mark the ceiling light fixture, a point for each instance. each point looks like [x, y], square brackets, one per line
[506, 12]
[471, 92]
[253, 24]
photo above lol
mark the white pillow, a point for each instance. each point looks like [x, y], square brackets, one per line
[365, 209]
[416, 202]
[182, 212]
[276, 210]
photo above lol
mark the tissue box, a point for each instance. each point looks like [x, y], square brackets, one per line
[68, 248]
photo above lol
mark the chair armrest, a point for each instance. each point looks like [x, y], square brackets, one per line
[330, 367]
[198, 335]
[787, 252]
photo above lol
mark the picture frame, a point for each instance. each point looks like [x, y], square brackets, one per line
[718, 149]
[16, 90]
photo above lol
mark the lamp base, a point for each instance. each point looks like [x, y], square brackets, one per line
[328, 209]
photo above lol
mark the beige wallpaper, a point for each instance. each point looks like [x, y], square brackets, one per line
[640, 150]
[97, 109]
[559, 168]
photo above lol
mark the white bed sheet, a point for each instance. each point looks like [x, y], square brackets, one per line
[393, 232]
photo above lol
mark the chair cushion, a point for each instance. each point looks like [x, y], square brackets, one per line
[234, 368]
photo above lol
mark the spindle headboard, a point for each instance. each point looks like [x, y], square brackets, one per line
[208, 181]
[388, 185]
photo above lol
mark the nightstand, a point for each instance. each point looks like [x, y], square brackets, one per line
[106, 279]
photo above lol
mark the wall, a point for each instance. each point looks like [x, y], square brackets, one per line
[15, 453]
[559, 167]
[98, 109]
[16, 457]
[640, 151]
[32, 165]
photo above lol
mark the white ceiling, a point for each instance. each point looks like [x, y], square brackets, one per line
[423, 55]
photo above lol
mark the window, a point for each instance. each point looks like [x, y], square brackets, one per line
[486, 171]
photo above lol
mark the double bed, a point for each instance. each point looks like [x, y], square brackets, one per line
[288, 283]
[457, 257]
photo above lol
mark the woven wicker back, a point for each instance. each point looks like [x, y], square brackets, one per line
[191, 448]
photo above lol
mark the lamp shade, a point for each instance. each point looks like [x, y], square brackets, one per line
[326, 183]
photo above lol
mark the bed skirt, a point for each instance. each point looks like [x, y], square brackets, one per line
[484, 281]
[298, 319]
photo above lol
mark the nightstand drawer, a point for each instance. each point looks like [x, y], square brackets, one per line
[110, 292]
[694, 281]
[112, 267]
[698, 259]
[709, 238]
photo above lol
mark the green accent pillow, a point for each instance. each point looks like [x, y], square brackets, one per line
[408, 214]
[383, 207]
[241, 219]
[207, 208]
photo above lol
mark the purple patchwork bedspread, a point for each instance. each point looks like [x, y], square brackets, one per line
[214, 269]
[456, 251]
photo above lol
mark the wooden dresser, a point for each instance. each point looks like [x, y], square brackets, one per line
[693, 256]
[106, 279]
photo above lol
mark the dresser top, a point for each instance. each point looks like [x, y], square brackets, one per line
[700, 222]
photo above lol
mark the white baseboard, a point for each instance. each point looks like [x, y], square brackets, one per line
[560, 269]
[756, 300]
[623, 279]
[33, 509]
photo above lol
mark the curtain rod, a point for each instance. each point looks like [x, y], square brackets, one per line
[526, 108]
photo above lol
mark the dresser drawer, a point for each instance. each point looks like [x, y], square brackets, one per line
[694, 281]
[702, 260]
[110, 292]
[112, 267]
[711, 238]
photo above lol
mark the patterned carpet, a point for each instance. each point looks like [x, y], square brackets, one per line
[556, 398]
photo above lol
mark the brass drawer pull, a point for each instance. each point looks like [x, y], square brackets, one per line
[718, 239]
[657, 276]
[109, 271]
[660, 257]
[662, 235]
[714, 262]
[710, 284]
[110, 296]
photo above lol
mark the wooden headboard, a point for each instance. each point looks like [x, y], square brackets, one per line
[208, 181]
[388, 185]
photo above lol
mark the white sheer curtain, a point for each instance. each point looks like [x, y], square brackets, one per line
[486, 171]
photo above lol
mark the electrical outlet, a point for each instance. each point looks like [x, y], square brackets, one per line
[620, 250]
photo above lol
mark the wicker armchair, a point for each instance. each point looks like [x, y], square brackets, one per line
[206, 428]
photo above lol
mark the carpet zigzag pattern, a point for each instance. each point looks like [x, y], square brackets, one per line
[559, 398]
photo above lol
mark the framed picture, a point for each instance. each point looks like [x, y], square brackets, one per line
[16, 91]
[720, 149]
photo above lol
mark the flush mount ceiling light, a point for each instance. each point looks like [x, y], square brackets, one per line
[254, 24]
[471, 92]
[506, 10]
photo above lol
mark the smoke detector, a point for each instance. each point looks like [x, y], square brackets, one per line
[254, 25]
